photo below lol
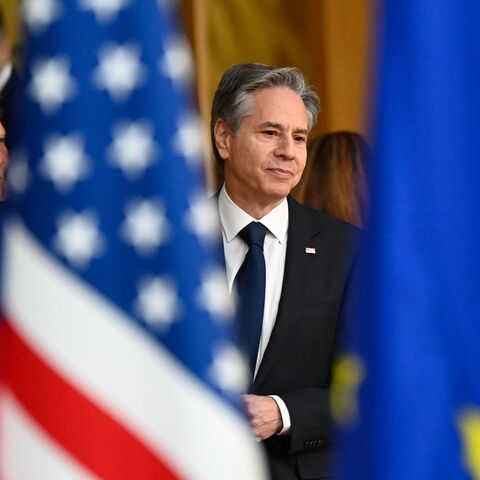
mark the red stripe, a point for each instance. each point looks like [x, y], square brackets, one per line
[87, 432]
[3, 340]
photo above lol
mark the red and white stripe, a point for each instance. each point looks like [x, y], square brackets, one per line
[91, 396]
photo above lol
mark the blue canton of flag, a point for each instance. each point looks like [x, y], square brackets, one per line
[416, 341]
[120, 362]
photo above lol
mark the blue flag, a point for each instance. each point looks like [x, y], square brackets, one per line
[413, 366]
[117, 352]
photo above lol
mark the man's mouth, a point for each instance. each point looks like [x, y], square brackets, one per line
[280, 172]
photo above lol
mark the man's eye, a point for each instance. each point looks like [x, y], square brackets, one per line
[300, 139]
[270, 133]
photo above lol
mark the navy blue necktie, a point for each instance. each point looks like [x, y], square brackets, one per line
[250, 282]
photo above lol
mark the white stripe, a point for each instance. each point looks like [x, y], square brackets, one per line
[28, 453]
[101, 352]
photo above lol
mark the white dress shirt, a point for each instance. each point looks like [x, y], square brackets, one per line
[233, 220]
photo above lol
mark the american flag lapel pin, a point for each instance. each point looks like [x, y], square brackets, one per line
[310, 250]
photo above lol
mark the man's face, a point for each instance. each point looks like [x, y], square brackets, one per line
[265, 159]
[3, 160]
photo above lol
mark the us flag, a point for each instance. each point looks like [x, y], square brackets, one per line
[116, 355]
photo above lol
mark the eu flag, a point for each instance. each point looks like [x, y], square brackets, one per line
[414, 358]
[118, 361]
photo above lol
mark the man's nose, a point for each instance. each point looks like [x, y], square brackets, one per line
[286, 147]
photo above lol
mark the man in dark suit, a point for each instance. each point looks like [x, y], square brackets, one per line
[261, 117]
[7, 73]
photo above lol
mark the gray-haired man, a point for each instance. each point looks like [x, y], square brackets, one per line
[261, 117]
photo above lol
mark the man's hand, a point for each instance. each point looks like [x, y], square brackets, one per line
[264, 415]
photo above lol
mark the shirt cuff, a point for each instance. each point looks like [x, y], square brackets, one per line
[287, 424]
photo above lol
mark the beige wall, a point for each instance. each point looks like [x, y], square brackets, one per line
[347, 38]
[10, 11]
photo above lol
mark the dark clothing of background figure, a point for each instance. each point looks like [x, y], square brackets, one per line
[7, 103]
[298, 359]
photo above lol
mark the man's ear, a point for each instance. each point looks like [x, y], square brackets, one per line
[222, 135]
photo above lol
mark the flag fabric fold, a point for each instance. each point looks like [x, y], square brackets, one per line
[117, 355]
[414, 340]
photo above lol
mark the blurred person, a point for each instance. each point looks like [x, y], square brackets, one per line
[3, 161]
[289, 264]
[336, 180]
[6, 68]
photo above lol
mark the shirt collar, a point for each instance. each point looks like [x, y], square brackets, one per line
[5, 73]
[234, 219]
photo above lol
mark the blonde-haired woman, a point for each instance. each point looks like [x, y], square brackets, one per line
[336, 180]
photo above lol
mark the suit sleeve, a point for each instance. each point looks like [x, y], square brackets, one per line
[310, 416]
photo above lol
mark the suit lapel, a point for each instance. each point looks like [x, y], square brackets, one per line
[299, 271]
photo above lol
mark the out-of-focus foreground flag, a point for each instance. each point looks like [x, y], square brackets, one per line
[116, 355]
[415, 339]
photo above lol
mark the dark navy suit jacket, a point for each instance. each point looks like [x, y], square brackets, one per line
[298, 359]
